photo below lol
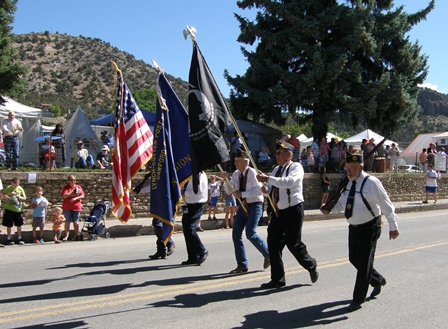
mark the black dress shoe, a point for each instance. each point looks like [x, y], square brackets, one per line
[157, 255]
[354, 306]
[271, 285]
[203, 257]
[239, 270]
[314, 275]
[377, 290]
[189, 262]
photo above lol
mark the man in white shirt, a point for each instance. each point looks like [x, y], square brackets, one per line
[286, 223]
[246, 188]
[11, 128]
[430, 184]
[197, 254]
[363, 201]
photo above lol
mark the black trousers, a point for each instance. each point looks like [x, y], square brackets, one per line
[158, 231]
[190, 220]
[287, 230]
[361, 253]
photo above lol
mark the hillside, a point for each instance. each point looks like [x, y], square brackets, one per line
[69, 71]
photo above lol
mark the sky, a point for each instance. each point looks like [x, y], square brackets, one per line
[152, 30]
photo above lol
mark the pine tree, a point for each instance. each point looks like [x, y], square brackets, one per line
[326, 59]
[11, 72]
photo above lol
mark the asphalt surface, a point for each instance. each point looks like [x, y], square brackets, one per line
[143, 226]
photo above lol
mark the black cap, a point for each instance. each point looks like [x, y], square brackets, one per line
[354, 158]
[284, 146]
[242, 154]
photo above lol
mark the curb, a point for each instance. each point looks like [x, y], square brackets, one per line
[143, 226]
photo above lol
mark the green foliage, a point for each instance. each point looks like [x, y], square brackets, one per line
[11, 70]
[77, 71]
[56, 110]
[146, 99]
[327, 61]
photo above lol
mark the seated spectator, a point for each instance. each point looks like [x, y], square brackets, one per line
[103, 160]
[84, 160]
[48, 153]
[104, 138]
[263, 156]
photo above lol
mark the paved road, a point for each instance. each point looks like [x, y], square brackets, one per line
[111, 283]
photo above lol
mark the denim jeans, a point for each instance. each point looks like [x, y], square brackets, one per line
[11, 145]
[84, 163]
[250, 222]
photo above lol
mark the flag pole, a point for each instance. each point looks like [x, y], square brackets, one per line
[233, 189]
[190, 31]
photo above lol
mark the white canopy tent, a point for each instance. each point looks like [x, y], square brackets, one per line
[76, 129]
[367, 134]
[310, 140]
[30, 118]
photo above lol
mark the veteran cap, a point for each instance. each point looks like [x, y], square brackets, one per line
[354, 158]
[284, 146]
[242, 154]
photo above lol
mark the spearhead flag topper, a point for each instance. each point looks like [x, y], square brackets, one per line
[209, 116]
[132, 148]
[171, 164]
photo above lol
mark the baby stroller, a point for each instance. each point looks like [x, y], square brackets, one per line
[95, 224]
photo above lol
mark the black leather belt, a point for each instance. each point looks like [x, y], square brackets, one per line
[254, 203]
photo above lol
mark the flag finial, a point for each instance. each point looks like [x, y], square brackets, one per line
[157, 67]
[190, 30]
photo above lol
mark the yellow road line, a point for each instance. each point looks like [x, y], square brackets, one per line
[103, 302]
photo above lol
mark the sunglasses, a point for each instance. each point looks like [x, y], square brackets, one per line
[278, 152]
[72, 180]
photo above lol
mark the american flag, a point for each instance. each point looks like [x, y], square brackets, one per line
[132, 149]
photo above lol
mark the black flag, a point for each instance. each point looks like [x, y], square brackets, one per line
[209, 117]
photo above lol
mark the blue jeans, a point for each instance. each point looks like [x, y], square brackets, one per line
[11, 151]
[190, 220]
[87, 163]
[250, 222]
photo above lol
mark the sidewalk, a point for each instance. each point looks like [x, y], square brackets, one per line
[143, 226]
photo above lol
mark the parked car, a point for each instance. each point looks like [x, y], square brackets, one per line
[410, 168]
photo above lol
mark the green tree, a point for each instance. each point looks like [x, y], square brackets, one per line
[146, 99]
[11, 72]
[55, 109]
[325, 60]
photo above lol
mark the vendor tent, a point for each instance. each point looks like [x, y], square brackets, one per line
[109, 119]
[411, 153]
[21, 111]
[257, 135]
[29, 116]
[310, 140]
[367, 134]
[78, 129]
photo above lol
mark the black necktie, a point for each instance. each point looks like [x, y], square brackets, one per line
[350, 201]
[242, 185]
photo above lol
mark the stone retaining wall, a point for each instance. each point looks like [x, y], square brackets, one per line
[97, 185]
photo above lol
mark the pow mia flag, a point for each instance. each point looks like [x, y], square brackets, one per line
[208, 115]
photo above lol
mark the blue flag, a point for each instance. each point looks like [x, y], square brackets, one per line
[171, 163]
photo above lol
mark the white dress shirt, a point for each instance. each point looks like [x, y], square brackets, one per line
[202, 196]
[253, 186]
[292, 179]
[375, 195]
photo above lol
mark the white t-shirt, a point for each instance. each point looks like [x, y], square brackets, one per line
[431, 182]
[214, 188]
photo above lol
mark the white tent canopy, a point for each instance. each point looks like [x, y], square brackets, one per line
[367, 134]
[20, 110]
[76, 129]
[310, 140]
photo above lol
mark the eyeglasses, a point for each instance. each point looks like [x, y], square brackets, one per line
[278, 152]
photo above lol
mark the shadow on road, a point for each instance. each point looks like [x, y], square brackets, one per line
[314, 315]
